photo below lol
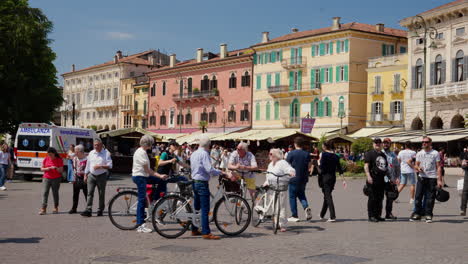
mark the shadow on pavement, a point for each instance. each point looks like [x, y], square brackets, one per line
[452, 221]
[20, 240]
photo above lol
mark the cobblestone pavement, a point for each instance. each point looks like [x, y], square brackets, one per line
[26, 237]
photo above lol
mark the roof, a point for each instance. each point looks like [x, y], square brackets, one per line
[343, 27]
[133, 59]
[340, 136]
[443, 6]
[262, 134]
[368, 131]
[125, 131]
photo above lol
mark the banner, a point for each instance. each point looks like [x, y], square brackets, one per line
[307, 124]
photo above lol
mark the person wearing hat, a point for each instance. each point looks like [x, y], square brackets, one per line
[376, 168]
[393, 176]
[430, 177]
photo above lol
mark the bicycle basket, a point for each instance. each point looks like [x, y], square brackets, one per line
[280, 187]
[230, 186]
[185, 188]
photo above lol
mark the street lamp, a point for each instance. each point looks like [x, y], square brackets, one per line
[341, 114]
[429, 33]
[72, 109]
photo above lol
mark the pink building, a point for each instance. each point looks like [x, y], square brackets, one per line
[215, 88]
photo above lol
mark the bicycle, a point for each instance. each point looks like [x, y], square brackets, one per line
[172, 215]
[123, 206]
[263, 206]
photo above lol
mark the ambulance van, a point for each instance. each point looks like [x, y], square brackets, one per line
[33, 140]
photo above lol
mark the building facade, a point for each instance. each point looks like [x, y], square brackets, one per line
[95, 91]
[387, 80]
[212, 91]
[134, 98]
[320, 73]
[445, 72]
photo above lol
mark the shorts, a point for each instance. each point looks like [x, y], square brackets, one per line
[250, 182]
[408, 178]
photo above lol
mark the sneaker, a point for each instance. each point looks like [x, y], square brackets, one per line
[308, 213]
[3, 188]
[415, 217]
[86, 213]
[321, 217]
[373, 219]
[283, 229]
[42, 211]
[463, 212]
[381, 219]
[55, 211]
[411, 201]
[196, 233]
[331, 220]
[144, 229]
[390, 217]
[293, 219]
[428, 219]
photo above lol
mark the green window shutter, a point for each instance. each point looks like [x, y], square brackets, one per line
[255, 59]
[331, 47]
[346, 45]
[329, 110]
[267, 111]
[299, 55]
[322, 75]
[292, 56]
[330, 74]
[312, 78]
[313, 50]
[337, 73]
[273, 56]
[291, 80]
[268, 81]
[392, 49]
[312, 112]
[259, 82]
[322, 49]
[266, 57]
[299, 80]
[338, 46]
[257, 111]
[384, 50]
[281, 55]
[346, 73]
[320, 110]
[260, 58]
[276, 110]
[277, 79]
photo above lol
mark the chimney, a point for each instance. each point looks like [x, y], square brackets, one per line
[199, 55]
[116, 59]
[172, 60]
[294, 30]
[379, 27]
[73, 67]
[119, 54]
[336, 23]
[223, 51]
[265, 37]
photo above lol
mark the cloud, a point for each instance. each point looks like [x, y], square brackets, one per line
[119, 35]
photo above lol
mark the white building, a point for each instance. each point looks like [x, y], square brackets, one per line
[446, 71]
[95, 90]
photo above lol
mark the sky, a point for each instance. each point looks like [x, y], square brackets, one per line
[88, 32]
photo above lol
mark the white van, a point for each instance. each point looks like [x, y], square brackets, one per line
[33, 140]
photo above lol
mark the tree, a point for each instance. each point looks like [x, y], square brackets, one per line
[361, 145]
[202, 125]
[28, 82]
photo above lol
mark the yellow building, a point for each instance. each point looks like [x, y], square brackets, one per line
[134, 102]
[386, 83]
[319, 72]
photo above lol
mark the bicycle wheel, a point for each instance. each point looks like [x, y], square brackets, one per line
[171, 216]
[276, 213]
[232, 215]
[257, 214]
[123, 209]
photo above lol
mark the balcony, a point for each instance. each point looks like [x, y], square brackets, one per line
[396, 117]
[282, 91]
[396, 92]
[377, 118]
[376, 91]
[294, 63]
[126, 108]
[447, 92]
[196, 96]
[292, 122]
[138, 114]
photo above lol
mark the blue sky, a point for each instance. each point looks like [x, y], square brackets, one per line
[89, 32]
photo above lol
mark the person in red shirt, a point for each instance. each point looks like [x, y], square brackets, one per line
[52, 166]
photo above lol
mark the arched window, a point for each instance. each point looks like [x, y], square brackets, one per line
[213, 83]
[205, 83]
[204, 115]
[152, 120]
[232, 81]
[153, 90]
[418, 74]
[459, 73]
[327, 107]
[245, 81]
[277, 108]
[245, 113]
[232, 114]
[164, 88]
[212, 117]
[162, 119]
[315, 108]
[180, 118]
[188, 118]
[189, 85]
[294, 111]
[102, 94]
[438, 71]
[267, 111]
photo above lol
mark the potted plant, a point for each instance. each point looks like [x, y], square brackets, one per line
[215, 91]
[202, 125]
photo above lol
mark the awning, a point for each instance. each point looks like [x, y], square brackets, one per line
[341, 136]
[317, 132]
[441, 138]
[125, 131]
[401, 139]
[262, 134]
[368, 131]
[195, 137]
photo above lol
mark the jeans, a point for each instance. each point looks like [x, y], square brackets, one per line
[70, 174]
[374, 203]
[79, 185]
[464, 192]
[201, 191]
[297, 190]
[426, 188]
[141, 182]
[100, 181]
[3, 174]
[328, 184]
[47, 184]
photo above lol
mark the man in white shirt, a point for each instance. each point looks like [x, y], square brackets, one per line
[405, 157]
[428, 166]
[96, 174]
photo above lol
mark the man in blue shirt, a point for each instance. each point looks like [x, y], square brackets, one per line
[202, 170]
[300, 161]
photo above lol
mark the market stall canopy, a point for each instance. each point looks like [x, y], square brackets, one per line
[133, 131]
[368, 131]
[340, 136]
[441, 138]
[317, 132]
[262, 134]
[195, 137]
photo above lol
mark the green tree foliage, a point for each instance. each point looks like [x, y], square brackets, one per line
[28, 84]
[361, 145]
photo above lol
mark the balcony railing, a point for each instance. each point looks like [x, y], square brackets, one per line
[294, 62]
[396, 117]
[296, 89]
[125, 108]
[203, 95]
[375, 91]
[292, 122]
[377, 117]
[455, 90]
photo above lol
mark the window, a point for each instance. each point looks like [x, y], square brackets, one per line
[459, 73]
[162, 119]
[212, 116]
[116, 74]
[96, 95]
[144, 107]
[341, 107]
[245, 115]
[88, 115]
[317, 50]
[440, 35]
[73, 98]
[267, 111]
[135, 105]
[396, 107]
[378, 84]
[189, 85]
[171, 116]
[377, 108]
[327, 75]
[296, 80]
[232, 81]
[181, 87]
[276, 110]
[152, 120]
[100, 114]
[106, 114]
[132, 73]
[153, 91]
[316, 80]
[257, 111]
[108, 94]
[232, 114]
[102, 94]
[419, 41]
[90, 96]
[204, 115]
[78, 97]
[402, 50]
[342, 73]
[341, 46]
[103, 76]
[164, 89]
[438, 70]
[396, 82]
[213, 83]
[418, 74]
[327, 48]
[259, 82]
[114, 113]
[388, 49]
[460, 31]
[245, 79]
[180, 119]
[328, 107]
[109, 75]
[205, 83]
[188, 118]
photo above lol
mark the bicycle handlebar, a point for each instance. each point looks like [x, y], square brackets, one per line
[274, 174]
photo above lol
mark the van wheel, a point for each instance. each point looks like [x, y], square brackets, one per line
[27, 177]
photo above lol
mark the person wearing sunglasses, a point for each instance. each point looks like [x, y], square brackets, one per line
[430, 177]
[243, 160]
[393, 176]
[376, 168]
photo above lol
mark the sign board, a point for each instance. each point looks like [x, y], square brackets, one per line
[307, 124]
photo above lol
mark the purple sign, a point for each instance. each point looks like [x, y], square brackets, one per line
[307, 124]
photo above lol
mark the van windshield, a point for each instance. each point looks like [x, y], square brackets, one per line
[33, 143]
